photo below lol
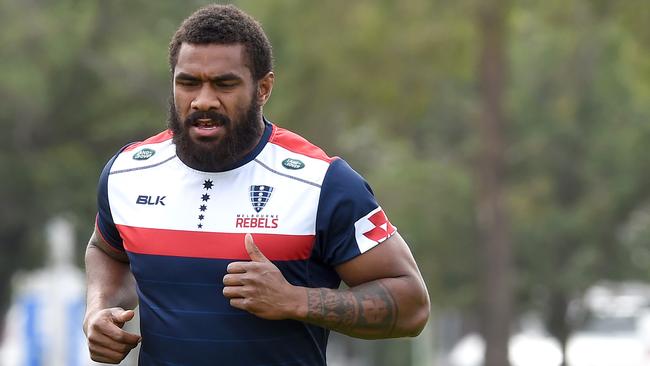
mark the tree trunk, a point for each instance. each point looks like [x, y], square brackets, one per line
[558, 306]
[493, 226]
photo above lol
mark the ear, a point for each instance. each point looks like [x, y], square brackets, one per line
[264, 88]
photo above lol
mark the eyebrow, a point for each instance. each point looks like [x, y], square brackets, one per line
[185, 76]
[226, 77]
[220, 78]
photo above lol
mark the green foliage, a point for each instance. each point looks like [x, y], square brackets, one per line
[578, 131]
[388, 85]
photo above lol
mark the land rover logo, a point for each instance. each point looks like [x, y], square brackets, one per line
[293, 164]
[143, 154]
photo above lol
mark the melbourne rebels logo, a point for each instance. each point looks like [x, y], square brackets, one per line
[259, 196]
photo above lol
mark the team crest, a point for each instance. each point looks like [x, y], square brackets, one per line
[259, 196]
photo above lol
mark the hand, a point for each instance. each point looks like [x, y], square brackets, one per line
[107, 342]
[260, 288]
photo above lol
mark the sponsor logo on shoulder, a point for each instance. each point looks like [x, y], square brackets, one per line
[144, 154]
[293, 164]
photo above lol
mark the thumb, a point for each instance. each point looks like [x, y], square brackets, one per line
[253, 251]
[122, 316]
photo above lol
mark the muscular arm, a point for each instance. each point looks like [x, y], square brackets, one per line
[111, 290]
[387, 296]
[109, 279]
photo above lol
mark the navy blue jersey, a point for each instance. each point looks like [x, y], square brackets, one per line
[181, 228]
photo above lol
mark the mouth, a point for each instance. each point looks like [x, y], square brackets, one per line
[206, 124]
[204, 129]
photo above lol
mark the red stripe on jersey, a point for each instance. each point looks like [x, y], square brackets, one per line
[180, 243]
[163, 136]
[297, 144]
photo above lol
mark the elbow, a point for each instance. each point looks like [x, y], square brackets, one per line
[417, 317]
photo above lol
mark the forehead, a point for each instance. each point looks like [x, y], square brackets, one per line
[212, 60]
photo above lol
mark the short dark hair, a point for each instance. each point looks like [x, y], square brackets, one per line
[225, 24]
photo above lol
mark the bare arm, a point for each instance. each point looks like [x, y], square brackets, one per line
[110, 290]
[109, 279]
[387, 296]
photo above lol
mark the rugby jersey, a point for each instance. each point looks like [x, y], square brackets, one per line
[181, 227]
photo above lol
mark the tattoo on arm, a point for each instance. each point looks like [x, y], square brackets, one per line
[366, 310]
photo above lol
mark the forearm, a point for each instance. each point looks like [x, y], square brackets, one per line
[383, 308]
[109, 282]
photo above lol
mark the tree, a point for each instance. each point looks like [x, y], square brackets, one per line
[493, 225]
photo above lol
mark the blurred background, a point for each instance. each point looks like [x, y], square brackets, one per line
[507, 140]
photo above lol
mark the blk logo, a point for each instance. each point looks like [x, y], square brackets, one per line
[150, 200]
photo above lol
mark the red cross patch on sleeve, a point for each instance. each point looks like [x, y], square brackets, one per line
[372, 229]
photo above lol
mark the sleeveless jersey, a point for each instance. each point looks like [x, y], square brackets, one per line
[181, 228]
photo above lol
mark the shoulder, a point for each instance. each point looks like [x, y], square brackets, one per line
[151, 151]
[344, 188]
[156, 139]
[292, 156]
[297, 144]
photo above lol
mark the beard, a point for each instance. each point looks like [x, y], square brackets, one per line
[239, 138]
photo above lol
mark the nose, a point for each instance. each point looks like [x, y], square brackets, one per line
[206, 99]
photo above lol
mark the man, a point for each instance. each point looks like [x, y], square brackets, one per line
[176, 214]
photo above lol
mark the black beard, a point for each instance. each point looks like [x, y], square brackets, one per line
[239, 139]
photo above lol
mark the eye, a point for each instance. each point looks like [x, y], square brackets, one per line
[226, 84]
[187, 82]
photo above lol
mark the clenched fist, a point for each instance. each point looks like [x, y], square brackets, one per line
[107, 341]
